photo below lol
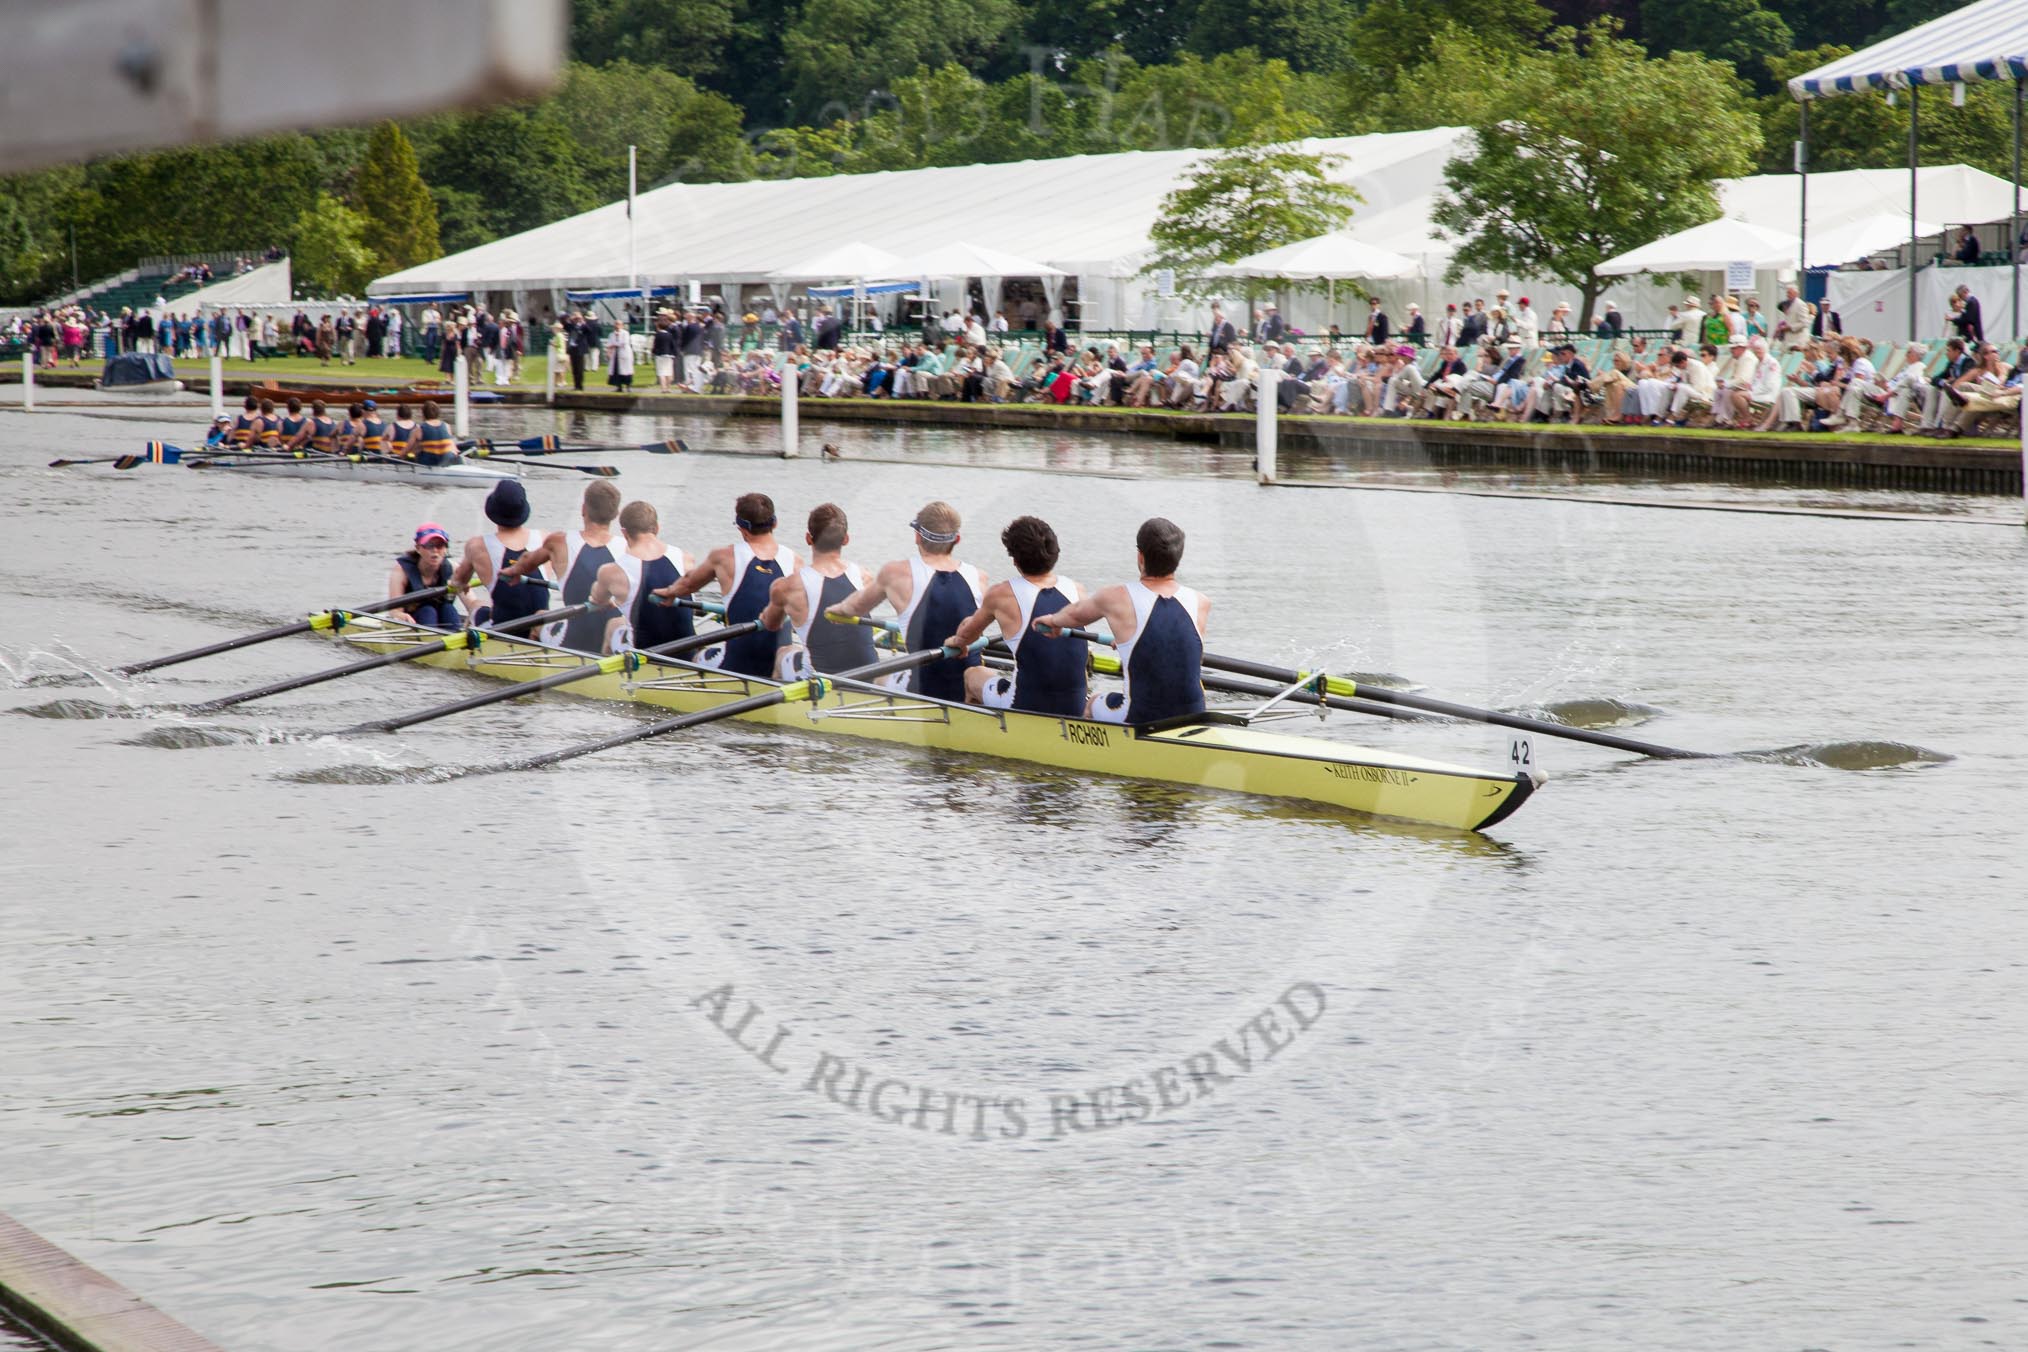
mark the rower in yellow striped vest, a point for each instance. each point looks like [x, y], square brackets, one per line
[372, 431]
[435, 443]
[402, 433]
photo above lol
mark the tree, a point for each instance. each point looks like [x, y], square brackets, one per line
[1738, 31]
[686, 37]
[1392, 43]
[36, 211]
[840, 53]
[1244, 200]
[1591, 150]
[329, 255]
[1233, 99]
[400, 215]
[503, 171]
[1309, 35]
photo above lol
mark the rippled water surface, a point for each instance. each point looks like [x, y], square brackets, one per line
[1712, 1054]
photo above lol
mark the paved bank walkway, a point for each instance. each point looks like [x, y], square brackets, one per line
[78, 1307]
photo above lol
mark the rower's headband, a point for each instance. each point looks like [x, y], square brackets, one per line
[935, 537]
[754, 527]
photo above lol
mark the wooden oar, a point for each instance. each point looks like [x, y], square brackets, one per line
[450, 642]
[555, 446]
[597, 471]
[614, 664]
[323, 619]
[813, 689]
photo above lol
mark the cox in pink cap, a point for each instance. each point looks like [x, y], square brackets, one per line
[430, 530]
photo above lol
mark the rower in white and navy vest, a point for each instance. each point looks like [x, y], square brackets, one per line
[246, 428]
[1049, 673]
[403, 434]
[436, 444]
[932, 594]
[745, 571]
[427, 565]
[1158, 627]
[576, 556]
[802, 597]
[295, 428]
[627, 584]
[487, 557]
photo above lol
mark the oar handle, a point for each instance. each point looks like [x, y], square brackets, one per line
[320, 620]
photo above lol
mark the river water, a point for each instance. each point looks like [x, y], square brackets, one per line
[1706, 1055]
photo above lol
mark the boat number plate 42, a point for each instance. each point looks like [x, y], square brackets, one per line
[1521, 754]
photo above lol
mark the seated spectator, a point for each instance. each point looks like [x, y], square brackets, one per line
[1987, 399]
[1569, 390]
[1983, 375]
[1441, 392]
[1905, 391]
[1615, 387]
[1967, 250]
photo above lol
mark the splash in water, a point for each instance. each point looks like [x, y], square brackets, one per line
[1598, 713]
[1853, 755]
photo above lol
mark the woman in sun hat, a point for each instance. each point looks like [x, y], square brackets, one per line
[427, 564]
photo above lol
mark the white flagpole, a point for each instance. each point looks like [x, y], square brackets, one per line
[633, 282]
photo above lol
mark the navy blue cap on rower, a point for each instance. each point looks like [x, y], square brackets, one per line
[368, 403]
[507, 504]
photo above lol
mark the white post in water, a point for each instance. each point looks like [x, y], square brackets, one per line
[790, 433]
[1266, 432]
[549, 373]
[28, 381]
[461, 414]
[217, 386]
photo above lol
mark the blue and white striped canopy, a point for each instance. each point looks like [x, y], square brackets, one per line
[1983, 41]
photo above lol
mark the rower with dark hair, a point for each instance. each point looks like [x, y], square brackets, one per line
[488, 556]
[1158, 627]
[436, 444]
[247, 426]
[635, 572]
[426, 565]
[268, 427]
[576, 557]
[295, 428]
[803, 596]
[320, 429]
[746, 571]
[1049, 672]
[932, 594]
[403, 435]
[352, 432]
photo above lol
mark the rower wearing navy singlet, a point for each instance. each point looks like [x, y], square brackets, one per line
[372, 431]
[294, 427]
[436, 444]
[352, 430]
[1049, 673]
[933, 594]
[1158, 627]
[487, 558]
[801, 598]
[576, 557]
[403, 434]
[267, 426]
[427, 565]
[626, 585]
[322, 431]
[745, 571]
[246, 427]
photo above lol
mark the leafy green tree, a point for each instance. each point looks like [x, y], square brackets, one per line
[401, 216]
[1243, 200]
[687, 37]
[1392, 42]
[329, 255]
[246, 195]
[1233, 99]
[839, 53]
[1590, 150]
[1065, 32]
[706, 144]
[1308, 35]
[36, 213]
[503, 171]
[1738, 31]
